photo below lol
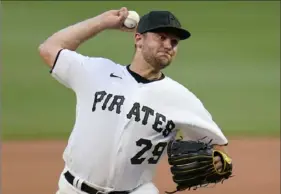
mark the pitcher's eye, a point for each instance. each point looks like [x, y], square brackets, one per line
[161, 37]
[174, 42]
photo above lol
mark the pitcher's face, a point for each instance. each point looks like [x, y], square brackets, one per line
[158, 49]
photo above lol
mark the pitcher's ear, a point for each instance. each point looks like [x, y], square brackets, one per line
[138, 40]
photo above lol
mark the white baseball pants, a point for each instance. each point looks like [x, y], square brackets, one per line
[66, 188]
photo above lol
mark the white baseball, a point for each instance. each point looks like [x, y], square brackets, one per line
[132, 20]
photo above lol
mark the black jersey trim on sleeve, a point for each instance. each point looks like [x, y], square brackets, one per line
[55, 61]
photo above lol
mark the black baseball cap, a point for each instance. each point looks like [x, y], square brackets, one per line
[162, 21]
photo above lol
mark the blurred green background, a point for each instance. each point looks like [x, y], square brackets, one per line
[231, 62]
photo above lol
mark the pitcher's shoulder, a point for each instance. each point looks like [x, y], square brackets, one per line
[102, 60]
[103, 63]
[179, 88]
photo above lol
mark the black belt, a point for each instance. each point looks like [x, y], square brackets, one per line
[86, 188]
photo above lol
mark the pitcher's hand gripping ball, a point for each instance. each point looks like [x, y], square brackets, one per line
[193, 165]
[132, 20]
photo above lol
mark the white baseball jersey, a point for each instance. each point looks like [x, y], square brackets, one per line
[122, 126]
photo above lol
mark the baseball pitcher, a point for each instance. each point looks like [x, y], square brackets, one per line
[128, 115]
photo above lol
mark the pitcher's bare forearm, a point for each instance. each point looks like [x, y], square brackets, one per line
[222, 148]
[70, 38]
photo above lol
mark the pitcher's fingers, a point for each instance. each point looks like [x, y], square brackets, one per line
[219, 166]
[217, 159]
[123, 13]
[125, 29]
[123, 9]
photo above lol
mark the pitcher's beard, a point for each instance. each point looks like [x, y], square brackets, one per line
[163, 62]
[158, 61]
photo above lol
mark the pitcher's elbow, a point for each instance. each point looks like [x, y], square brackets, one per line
[43, 51]
[47, 53]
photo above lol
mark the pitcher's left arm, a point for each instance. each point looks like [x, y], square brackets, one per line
[199, 157]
